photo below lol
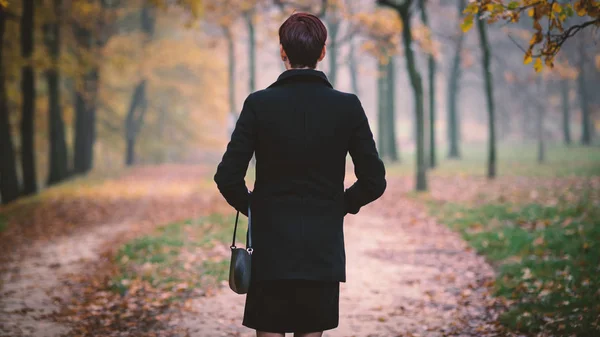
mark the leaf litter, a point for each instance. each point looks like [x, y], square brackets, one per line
[411, 276]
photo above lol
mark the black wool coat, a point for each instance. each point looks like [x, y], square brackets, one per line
[300, 130]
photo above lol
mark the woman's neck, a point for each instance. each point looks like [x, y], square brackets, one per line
[289, 67]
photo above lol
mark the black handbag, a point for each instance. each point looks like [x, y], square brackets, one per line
[239, 268]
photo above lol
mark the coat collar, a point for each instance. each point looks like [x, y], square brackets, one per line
[298, 74]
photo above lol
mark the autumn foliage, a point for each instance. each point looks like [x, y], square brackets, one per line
[552, 22]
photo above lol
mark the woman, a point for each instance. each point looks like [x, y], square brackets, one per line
[300, 130]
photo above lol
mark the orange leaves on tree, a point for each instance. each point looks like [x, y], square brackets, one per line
[549, 19]
[423, 37]
[382, 26]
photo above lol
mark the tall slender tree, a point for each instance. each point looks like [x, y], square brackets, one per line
[91, 34]
[9, 184]
[58, 163]
[453, 93]
[382, 113]
[540, 112]
[139, 100]
[28, 105]
[230, 69]
[586, 134]
[353, 66]
[566, 110]
[85, 105]
[352, 53]
[333, 26]
[431, 70]
[402, 8]
[250, 17]
[489, 95]
[391, 110]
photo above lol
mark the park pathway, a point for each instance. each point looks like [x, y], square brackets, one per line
[406, 276]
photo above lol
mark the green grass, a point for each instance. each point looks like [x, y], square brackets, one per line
[514, 159]
[179, 253]
[547, 258]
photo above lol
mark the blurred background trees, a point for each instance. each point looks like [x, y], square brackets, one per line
[102, 84]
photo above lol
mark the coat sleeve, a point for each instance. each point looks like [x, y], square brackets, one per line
[231, 171]
[368, 167]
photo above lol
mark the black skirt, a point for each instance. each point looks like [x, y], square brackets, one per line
[292, 306]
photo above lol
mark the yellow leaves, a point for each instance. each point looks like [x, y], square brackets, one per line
[467, 23]
[4, 3]
[514, 16]
[536, 38]
[580, 7]
[472, 8]
[557, 8]
[538, 66]
[528, 58]
[531, 12]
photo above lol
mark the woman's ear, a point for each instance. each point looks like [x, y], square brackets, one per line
[282, 53]
[323, 52]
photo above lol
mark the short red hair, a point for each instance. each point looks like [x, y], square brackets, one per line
[303, 37]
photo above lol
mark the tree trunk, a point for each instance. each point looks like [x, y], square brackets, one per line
[139, 100]
[9, 184]
[416, 82]
[249, 16]
[352, 64]
[391, 111]
[489, 93]
[564, 89]
[86, 100]
[85, 122]
[133, 122]
[431, 68]
[586, 138]
[231, 70]
[58, 169]
[540, 112]
[28, 105]
[332, 50]
[381, 108]
[85, 107]
[540, 133]
[453, 93]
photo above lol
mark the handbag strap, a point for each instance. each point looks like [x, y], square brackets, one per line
[248, 234]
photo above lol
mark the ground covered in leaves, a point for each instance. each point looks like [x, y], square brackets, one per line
[544, 239]
[145, 253]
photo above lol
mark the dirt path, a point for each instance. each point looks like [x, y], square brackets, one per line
[34, 288]
[33, 285]
[406, 276]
